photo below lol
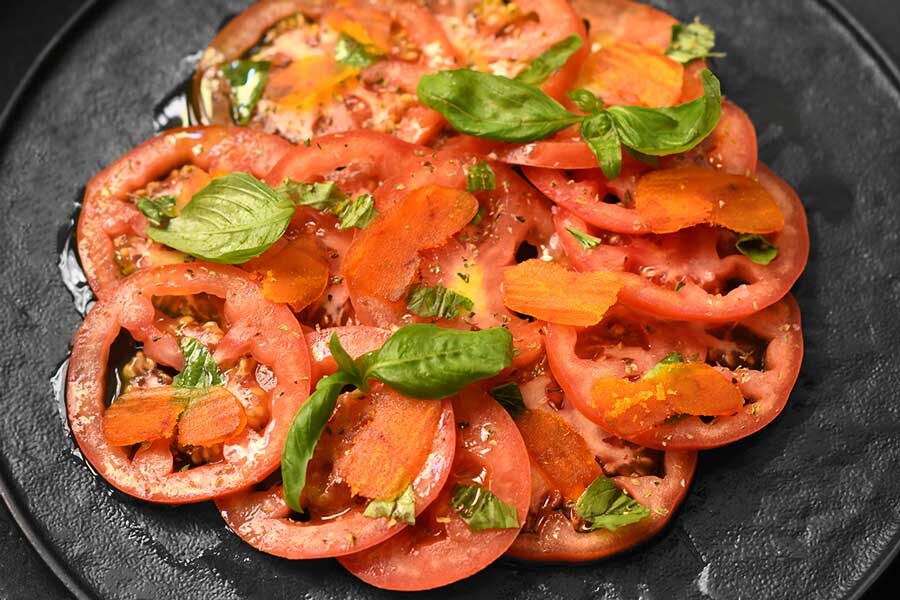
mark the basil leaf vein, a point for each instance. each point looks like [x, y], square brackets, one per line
[605, 506]
[550, 61]
[481, 509]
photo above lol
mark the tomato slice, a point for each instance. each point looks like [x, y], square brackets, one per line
[567, 453]
[110, 224]
[761, 353]
[266, 331]
[628, 21]
[623, 73]
[356, 340]
[308, 92]
[440, 548]
[697, 273]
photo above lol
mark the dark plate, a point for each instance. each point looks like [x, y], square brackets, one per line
[810, 507]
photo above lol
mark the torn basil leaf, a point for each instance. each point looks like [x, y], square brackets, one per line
[585, 240]
[480, 178]
[509, 396]
[358, 213]
[670, 359]
[757, 248]
[691, 41]
[247, 79]
[401, 509]
[325, 197]
[353, 53]
[200, 368]
[438, 302]
[157, 210]
[605, 506]
[550, 61]
[480, 509]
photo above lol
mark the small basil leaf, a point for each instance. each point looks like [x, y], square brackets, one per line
[431, 362]
[345, 362]
[247, 79]
[437, 301]
[401, 509]
[358, 213]
[586, 101]
[233, 219]
[493, 107]
[480, 178]
[550, 61]
[670, 359]
[200, 368]
[601, 137]
[691, 41]
[306, 429]
[510, 397]
[481, 509]
[757, 248]
[157, 210]
[325, 197]
[605, 506]
[478, 218]
[586, 241]
[353, 53]
[671, 130]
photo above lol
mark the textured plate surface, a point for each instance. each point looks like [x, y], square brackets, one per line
[810, 507]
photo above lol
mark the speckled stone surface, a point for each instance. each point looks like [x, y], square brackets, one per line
[805, 509]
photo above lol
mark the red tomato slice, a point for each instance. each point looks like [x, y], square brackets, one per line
[109, 211]
[697, 274]
[267, 332]
[307, 91]
[624, 20]
[658, 481]
[263, 520]
[761, 353]
[356, 340]
[440, 548]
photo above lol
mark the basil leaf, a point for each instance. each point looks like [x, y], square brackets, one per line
[157, 210]
[358, 213]
[510, 397]
[480, 178]
[306, 429]
[671, 130]
[247, 79]
[586, 241]
[670, 359]
[757, 248]
[437, 301]
[325, 197]
[353, 53]
[233, 219]
[401, 509]
[605, 506]
[430, 362]
[478, 218]
[345, 362]
[493, 107]
[601, 137]
[692, 41]
[481, 509]
[200, 368]
[550, 61]
[586, 101]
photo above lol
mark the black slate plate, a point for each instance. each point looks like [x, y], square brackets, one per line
[808, 508]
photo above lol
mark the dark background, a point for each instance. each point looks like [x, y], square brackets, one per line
[26, 27]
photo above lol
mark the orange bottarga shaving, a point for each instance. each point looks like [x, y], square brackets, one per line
[551, 293]
[384, 258]
[559, 451]
[293, 271]
[211, 419]
[629, 408]
[629, 74]
[674, 199]
[193, 183]
[387, 452]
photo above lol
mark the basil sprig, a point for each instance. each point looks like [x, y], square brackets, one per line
[247, 79]
[481, 509]
[502, 109]
[231, 220]
[401, 509]
[605, 506]
[420, 361]
[200, 368]
[691, 41]
[327, 197]
[157, 210]
[437, 301]
[550, 61]
[757, 248]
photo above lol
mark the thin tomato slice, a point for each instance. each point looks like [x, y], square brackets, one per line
[628, 21]
[142, 415]
[629, 74]
[489, 452]
[356, 340]
[293, 271]
[213, 418]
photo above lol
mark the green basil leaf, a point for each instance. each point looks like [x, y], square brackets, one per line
[671, 130]
[601, 137]
[670, 359]
[605, 506]
[325, 197]
[480, 178]
[550, 61]
[437, 301]
[493, 107]
[345, 362]
[233, 219]
[401, 509]
[353, 53]
[586, 101]
[757, 248]
[157, 210]
[431, 362]
[586, 241]
[481, 509]
[478, 218]
[358, 213]
[510, 397]
[691, 41]
[306, 429]
[200, 368]
[247, 79]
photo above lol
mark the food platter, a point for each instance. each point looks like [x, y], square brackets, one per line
[804, 507]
